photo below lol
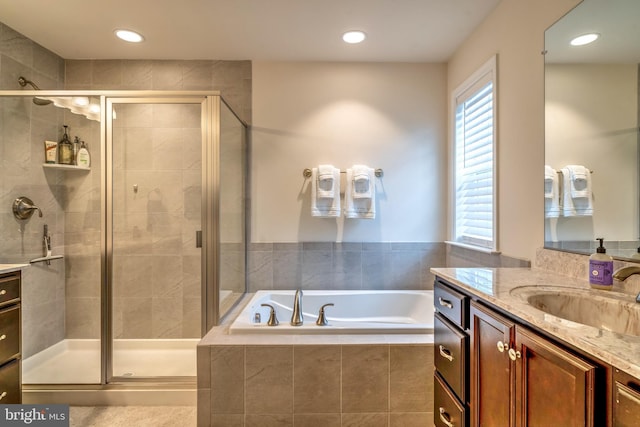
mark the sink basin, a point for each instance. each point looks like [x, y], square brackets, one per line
[610, 311]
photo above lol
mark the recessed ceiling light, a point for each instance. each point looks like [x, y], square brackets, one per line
[354, 37]
[584, 39]
[129, 36]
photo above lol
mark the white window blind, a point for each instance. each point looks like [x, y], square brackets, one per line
[474, 160]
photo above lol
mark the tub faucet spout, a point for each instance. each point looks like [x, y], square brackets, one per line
[296, 318]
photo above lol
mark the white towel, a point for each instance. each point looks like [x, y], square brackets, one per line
[579, 181]
[360, 207]
[361, 188]
[325, 206]
[551, 193]
[328, 176]
[579, 206]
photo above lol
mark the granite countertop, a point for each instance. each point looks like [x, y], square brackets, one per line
[495, 285]
[8, 268]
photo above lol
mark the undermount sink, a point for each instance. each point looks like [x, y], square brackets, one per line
[609, 311]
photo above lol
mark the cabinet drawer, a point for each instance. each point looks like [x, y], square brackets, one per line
[9, 288]
[453, 305]
[626, 407]
[448, 412]
[450, 354]
[10, 383]
[9, 333]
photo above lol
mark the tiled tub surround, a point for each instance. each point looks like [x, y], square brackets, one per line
[359, 265]
[495, 285]
[314, 380]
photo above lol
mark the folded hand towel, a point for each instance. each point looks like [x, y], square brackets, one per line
[579, 181]
[360, 207]
[579, 206]
[326, 181]
[361, 188]
[325, 206]
[551, 193]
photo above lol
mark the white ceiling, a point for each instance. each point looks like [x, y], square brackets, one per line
[278, 30]
[617, 22]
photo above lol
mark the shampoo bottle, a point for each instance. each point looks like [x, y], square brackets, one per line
[601, 268]
[83, 159]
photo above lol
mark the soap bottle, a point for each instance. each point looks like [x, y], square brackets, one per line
[83, 159]
[65, 149]
[601, 268]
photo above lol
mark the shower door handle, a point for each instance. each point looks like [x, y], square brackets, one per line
[199, 239]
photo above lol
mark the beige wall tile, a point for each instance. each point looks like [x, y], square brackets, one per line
[411, 371]
[224, 420]
[317, 420]
[227, 379]
[269, 380]
[416, 419]
[365, 420]
[271, 420]
[204, 406]
[316, 379]
[365, 378]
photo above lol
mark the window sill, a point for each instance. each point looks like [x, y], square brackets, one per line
[473, 248]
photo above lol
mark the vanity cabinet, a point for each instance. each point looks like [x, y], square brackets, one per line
[451, 355]
[10, 388]
[518, 377]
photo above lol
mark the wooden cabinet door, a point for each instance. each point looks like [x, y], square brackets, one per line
[492, 379]
[555, 388]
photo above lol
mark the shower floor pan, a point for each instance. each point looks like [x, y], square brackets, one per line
[76, 361]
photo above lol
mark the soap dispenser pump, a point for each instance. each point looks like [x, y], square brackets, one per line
[601, 268]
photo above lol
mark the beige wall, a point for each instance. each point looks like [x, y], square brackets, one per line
[385, 115]
[515, 32]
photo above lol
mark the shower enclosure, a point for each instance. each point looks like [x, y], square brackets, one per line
[151, 235]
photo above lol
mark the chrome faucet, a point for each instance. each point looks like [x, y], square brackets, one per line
[296, 317]
[624, 272]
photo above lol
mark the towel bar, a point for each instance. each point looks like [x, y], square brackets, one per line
[307, 173]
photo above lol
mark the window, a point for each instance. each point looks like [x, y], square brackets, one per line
[475, 159]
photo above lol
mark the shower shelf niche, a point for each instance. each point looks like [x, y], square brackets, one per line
[65, 167]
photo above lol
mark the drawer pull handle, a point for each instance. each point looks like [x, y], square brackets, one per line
[514, 354]
[444, 352]
[502, 346]
[3, 292]
[445, 303]
[3, 395]
[445, 418]
[3, 337]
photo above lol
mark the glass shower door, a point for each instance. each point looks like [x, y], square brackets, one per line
[156, 217]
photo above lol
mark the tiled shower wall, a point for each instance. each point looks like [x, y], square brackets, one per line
[23, 128]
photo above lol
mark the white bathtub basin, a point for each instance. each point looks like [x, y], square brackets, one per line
[354, 312]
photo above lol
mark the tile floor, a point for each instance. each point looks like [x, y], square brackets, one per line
[132, 416]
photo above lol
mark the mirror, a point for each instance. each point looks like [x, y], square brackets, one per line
[591, 130]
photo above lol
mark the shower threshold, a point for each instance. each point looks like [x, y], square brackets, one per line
[77, 361]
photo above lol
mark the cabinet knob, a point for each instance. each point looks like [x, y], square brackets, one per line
[3, 292]
[3, 395]
[514, 354]
[3, 337]
[445, 418]
[444, 352]
[502, 346]
[445, 303]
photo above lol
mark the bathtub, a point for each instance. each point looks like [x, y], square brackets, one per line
[354, 312]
